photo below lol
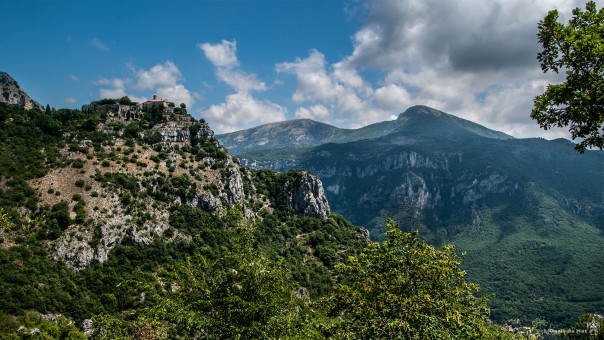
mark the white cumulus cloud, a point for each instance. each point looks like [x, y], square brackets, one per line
[176, 93]
[224, 58]
[314, 84]
[392, 97]
[221, 55]
[240, 81]
[160, 75]
[338, 88]
[165, 80]
[473, 59]
[240, 110]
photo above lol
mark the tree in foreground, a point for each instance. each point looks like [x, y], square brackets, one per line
[590, 326]
[576, 49]
[406, 289]
[240, 295]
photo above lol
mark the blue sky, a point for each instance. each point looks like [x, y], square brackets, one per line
[243, 63]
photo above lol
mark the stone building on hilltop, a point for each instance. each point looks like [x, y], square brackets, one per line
[162, 103]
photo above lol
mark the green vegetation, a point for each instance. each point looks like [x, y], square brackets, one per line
[240, 294]
[212, 273]
[106, 290]
[528, 233]
[125, 101]
[577, 49]
[404, 288]
[590, 326]
[38, 327]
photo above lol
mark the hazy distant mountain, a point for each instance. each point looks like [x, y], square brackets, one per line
[301, 133]
[529, 212]
[11, 93]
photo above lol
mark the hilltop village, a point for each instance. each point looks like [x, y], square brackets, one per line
[124, 109]
[169, 122]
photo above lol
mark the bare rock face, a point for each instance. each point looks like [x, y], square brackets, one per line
[175, 135]
[236, 193]
[88, 327]
[364, 234]
[206, 201]
[11, 93]
[75, 251]
[180, 128]
[78, 249]
[206, 133]
[308, 197]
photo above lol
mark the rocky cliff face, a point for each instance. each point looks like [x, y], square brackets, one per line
[308, 198]
[359, 183]
[177, 128]
[440, 170]
[11, 93]
[420, 184]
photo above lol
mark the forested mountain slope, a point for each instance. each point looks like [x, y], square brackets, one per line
[528, 212]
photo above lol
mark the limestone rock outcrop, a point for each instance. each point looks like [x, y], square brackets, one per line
[308, 197]
[364, 234]
[11, 93]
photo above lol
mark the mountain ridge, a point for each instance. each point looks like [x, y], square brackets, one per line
[301, 133]
[420, 114]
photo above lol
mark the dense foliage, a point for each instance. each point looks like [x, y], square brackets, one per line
[590, 326]
[404, 288]
[577, 49]
[239, 294]
[219, 246]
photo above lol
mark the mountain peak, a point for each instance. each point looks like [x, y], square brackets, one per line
[11, 93]
[422, 117]
[420, 110]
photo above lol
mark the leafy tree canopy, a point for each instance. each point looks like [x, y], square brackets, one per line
[590, 326]
[406, 289]
[577, 49]
[125, 101]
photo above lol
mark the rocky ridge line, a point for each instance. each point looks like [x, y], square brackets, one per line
[11, 93]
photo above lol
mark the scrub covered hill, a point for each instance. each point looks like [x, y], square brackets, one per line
[90, 202]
